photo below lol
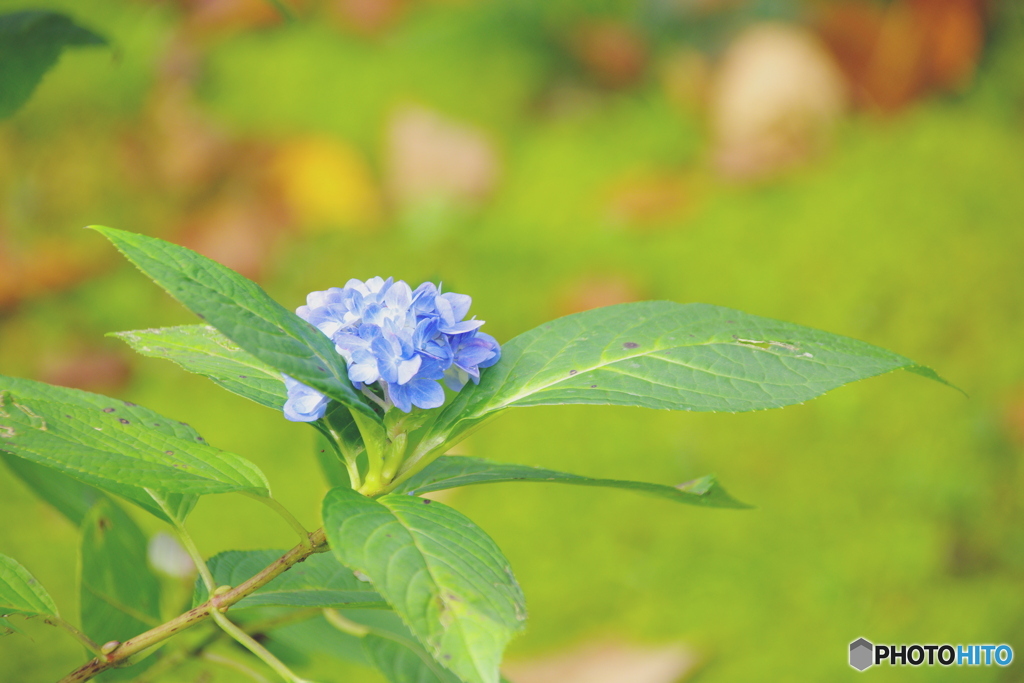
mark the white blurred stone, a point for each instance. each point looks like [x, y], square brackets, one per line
[168, 557]
[776, 97]
[607, 662]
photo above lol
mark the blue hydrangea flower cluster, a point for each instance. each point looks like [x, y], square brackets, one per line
[403, 340]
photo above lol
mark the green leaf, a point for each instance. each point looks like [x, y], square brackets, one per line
[21, 593]
[320, 581]
[70, 497]
[404, 661]
[119, 596]
[439, 571]
[448, 472]
[117, 446]
[205, 351]
[7, 628]
[330, 463]
[244, 313]
[661, 354]
[30, 44]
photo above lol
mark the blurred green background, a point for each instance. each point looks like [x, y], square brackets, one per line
[853, 166]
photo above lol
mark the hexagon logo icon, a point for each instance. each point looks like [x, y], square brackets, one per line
[861, 654]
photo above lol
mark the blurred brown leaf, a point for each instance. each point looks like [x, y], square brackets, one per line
[894, 54]
[367, 17]
[175, 143]
[209, 16]
[94, 370]
[595, 291]
[613, 53]
[239, 228]
[429, 155]
[645, 199]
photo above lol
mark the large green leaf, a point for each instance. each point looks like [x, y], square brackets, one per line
[386, 643]
[30, 44]
[70, 497]
[404, 661]
[205, 351]
[119, 595]
[319, 581]
[439, 571]
[244, 313]
[21, 593]
[661, 354]
[116, 445]
[448, 472]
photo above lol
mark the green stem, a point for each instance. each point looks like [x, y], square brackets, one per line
[393, 456]
[351, 462]
[345, 625]
[179, 657]
[427, 452]
[375, 442]
[197, 557]
[250, 644]
[196, 615]
[89, 643]
[229, 663]
[286, 515]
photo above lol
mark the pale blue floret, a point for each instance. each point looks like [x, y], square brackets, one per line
[304, 404]
[403, 340]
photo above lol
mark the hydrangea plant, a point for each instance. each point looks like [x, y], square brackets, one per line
[415, 588]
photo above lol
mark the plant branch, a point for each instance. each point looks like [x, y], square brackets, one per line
[236, 665]
[175, 659]
[285, 514]
[89, 643]
[197, 615]
[197, 557]
[254, 647]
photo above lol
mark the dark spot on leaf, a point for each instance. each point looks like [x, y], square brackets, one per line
[447, 657]
[156, 424]
[169, 452]
[321, 450]
[108, 410]
[593, 386]
[123, 421]
[201, 316]
[129, 404]
[730, 321]
[243, 377]
[103, 523]
[630, 345]
[199, 438]
[573, 372]
[321, 369]
[693, 335]
[68, 416]
[427, 501]
[184, 423]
